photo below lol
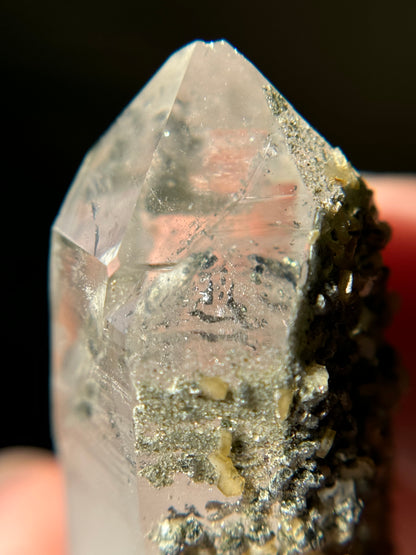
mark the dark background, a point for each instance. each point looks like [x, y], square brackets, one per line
[68, 69]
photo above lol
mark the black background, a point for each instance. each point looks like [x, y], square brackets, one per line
[68, 69]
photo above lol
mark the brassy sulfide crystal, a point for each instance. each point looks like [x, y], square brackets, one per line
[221, 385]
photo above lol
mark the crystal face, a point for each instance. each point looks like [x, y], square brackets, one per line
[220, 382]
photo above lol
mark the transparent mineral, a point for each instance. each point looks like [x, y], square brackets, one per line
[220, 381]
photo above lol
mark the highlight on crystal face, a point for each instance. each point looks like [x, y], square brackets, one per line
[220, 380]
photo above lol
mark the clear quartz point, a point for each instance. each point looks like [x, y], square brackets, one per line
[217, 296]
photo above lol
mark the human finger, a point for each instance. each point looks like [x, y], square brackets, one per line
[32, 520]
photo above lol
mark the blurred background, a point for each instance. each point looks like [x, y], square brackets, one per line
[68, 70]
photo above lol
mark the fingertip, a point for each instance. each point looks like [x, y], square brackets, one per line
[32, 520]
[395, 197]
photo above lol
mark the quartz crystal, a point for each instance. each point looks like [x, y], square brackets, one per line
[220, 381]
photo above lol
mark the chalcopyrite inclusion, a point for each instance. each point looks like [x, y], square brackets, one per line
[220, 381]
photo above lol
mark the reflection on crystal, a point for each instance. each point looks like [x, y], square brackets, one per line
[218, 296]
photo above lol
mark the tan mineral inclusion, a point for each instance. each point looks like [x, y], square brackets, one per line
[220, 381]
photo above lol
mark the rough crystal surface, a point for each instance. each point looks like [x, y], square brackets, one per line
[217, 298]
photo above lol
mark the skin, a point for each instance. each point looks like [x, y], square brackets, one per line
[396, 199]
[32, 513]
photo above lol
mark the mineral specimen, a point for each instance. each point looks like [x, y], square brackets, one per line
[221, 385]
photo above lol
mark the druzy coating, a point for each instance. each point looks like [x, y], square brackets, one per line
[217, 300]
